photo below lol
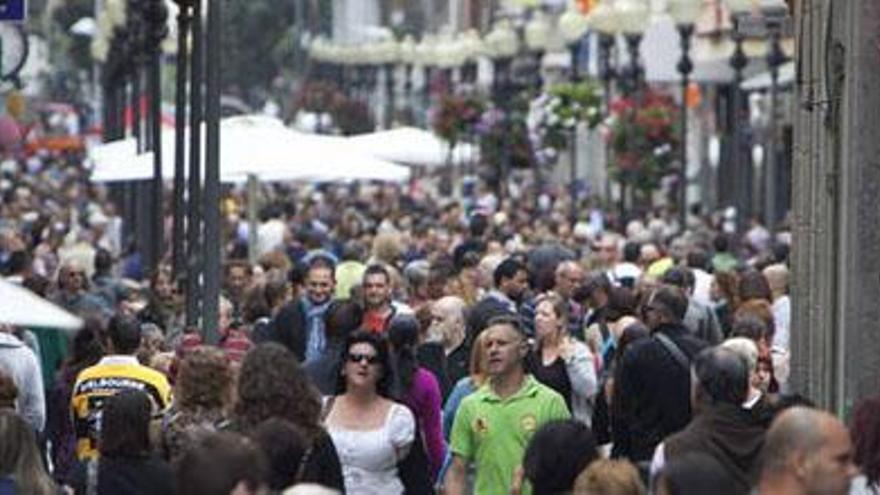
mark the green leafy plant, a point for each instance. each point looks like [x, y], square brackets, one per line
[644, 138]
[456, 116]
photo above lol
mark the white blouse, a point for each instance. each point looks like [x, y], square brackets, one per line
[369, 457]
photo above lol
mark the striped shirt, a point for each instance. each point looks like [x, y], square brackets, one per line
[95, 384]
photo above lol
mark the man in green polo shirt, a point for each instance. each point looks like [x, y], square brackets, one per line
[493, 425]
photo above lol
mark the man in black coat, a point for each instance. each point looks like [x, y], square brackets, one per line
[511, 280]
[722, 428]
[652, 386]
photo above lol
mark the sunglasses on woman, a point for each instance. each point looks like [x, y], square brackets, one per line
[354, 357]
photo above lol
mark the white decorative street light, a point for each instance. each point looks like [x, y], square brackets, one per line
[604, 18]
[537, 32]
[573, 25]
[502, 41]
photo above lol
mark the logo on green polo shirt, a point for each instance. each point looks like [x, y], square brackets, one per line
[529, 423]
[480, 426]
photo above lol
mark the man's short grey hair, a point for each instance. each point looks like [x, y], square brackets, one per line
[746, 349]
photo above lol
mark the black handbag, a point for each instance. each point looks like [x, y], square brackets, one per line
[413, 469]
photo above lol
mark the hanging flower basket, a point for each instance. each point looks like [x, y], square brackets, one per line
[455, 116]
[554, 115]
[643, 134]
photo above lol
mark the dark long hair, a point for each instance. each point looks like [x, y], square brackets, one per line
[86, 347]
[380, 345]
[20, 457]
[403, 334]
[125, 425]
[866, 436]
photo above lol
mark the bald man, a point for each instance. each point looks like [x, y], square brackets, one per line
[807, 452]
[448, 328]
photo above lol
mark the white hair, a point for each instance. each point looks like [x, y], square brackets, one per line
[745, 348]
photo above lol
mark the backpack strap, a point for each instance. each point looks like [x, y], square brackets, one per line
[673, 350]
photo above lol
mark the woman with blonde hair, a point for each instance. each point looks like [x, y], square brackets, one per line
[467, 385]
[561, 362]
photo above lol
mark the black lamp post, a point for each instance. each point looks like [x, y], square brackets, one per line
[685, 67]
[213, 240]
[155, 15]
[741, 173]
[502, 90]
[607, 74]
[573, 49]
[194, 202]
[775, 58]
[389, 92]
[633, 43]
[178, 229]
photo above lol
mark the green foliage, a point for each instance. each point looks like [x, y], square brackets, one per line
[256, 43]
[350, 116]
[644, 138]
[456, 115]
[555, 114]
[504, 135]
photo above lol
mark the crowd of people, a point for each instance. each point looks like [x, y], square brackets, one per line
[388, 339]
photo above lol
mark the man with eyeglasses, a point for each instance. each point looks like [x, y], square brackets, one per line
[493, 425]
[652, 386]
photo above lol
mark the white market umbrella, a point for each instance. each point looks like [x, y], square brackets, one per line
[413, 146]
[21, 307]
[262, 147]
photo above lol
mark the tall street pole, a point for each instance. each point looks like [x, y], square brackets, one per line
[194, 204]
[685, 67]
[155, 36]
[178, 228]
[775, 58]
[741, 174]
[213, 239]
[606, 73]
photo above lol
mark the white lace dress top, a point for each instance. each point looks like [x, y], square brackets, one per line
[369, 457]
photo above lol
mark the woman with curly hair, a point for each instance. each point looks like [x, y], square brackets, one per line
[272, 384]
[372, 432]
[202, 396]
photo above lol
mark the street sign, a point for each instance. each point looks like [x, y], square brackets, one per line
[12, 10]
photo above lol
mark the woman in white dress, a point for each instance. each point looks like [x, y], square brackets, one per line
[371, 432]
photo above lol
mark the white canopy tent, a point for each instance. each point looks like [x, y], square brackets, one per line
[19, 306]
[413, 146]
[258, 146]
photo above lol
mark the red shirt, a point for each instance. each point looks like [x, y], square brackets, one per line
[376, 322]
